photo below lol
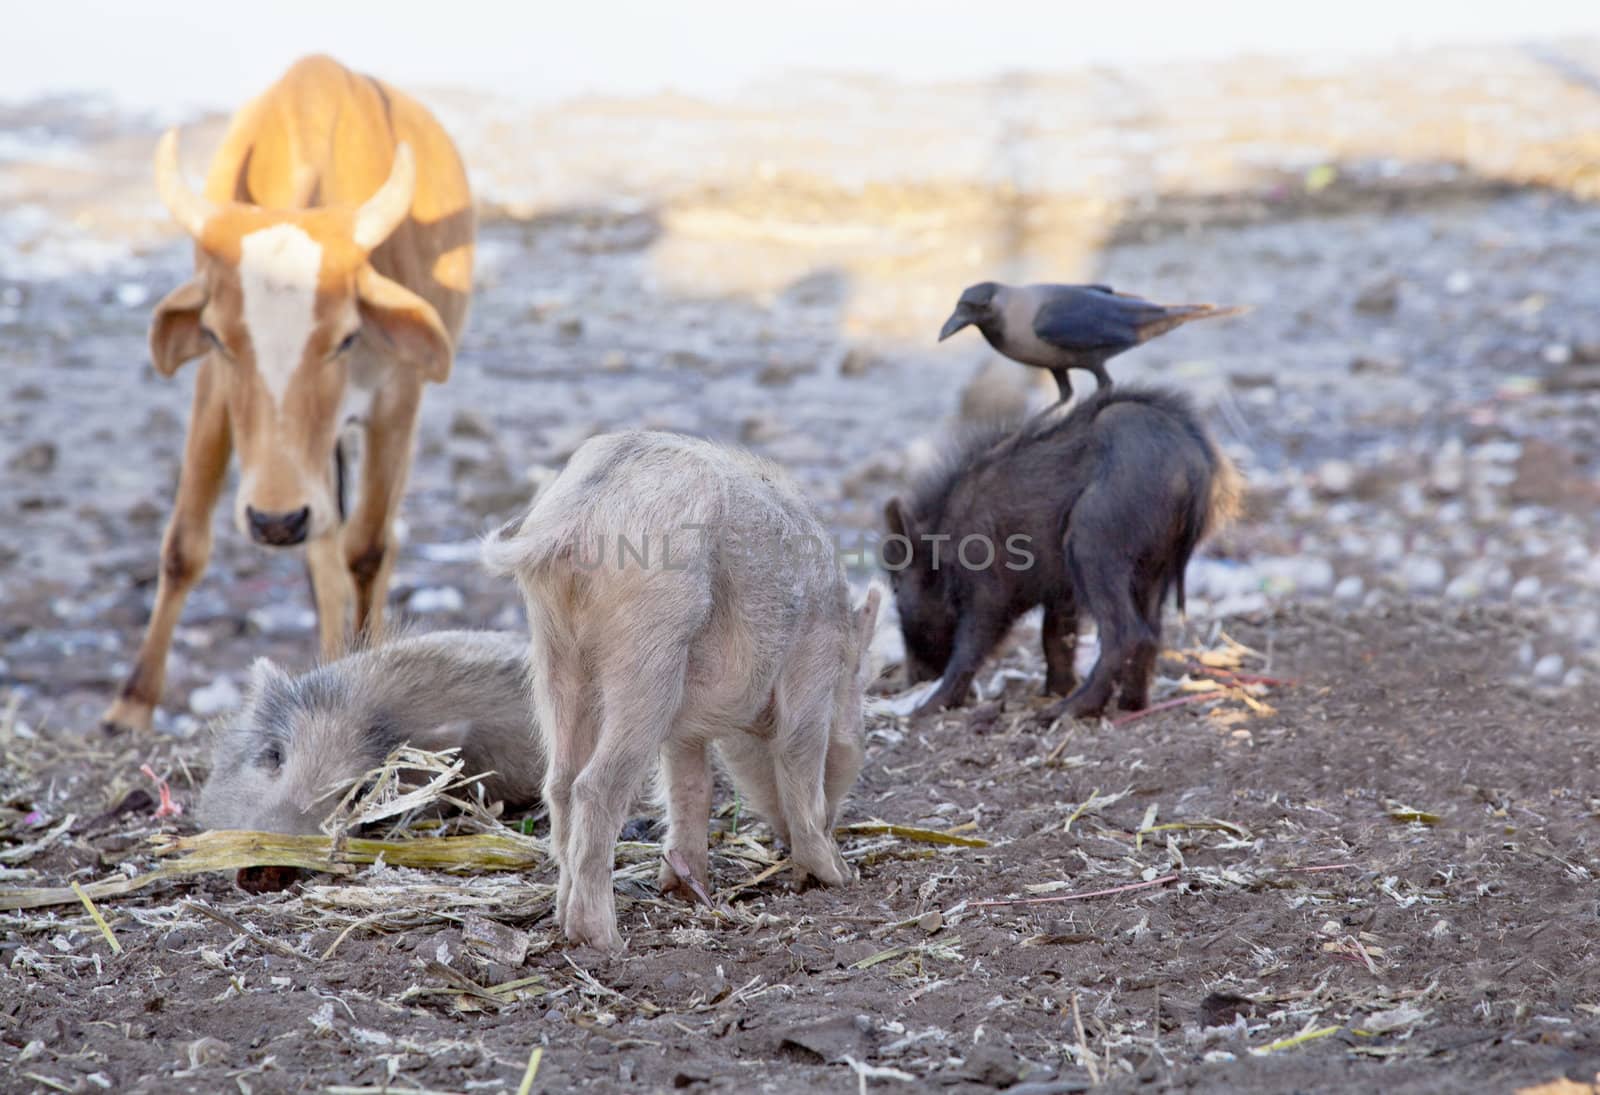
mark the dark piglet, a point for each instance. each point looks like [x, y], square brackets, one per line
[1098, 509]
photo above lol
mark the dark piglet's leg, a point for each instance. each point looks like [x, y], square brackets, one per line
[1141, 666]
[977, 633]
[1104, 583]
[1060, 640]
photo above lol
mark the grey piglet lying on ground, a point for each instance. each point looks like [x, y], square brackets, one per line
[286, 758]
[732, 627]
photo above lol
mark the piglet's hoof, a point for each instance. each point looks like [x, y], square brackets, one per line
[597, 936]
[126, 716]
[258, 880]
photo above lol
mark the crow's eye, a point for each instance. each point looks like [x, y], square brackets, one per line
[271, 758]
[346, 342]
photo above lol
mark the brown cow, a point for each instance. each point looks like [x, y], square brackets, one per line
[333, 258]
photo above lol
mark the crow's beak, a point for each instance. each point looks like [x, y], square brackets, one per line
[958, 319]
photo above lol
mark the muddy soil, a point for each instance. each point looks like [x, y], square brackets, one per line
[1397, 865]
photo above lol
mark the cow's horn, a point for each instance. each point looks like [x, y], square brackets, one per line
[187, 208]
[382, 213]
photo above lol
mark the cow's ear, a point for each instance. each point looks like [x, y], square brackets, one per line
[406, 324]
[175, 335]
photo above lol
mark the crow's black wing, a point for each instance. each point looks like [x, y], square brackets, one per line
[1083, 318]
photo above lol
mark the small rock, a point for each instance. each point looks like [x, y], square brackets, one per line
[993, 1065]
[471, 458]
[759, 429]
[570, 327]
[857, 362]
[471, 424]
[1449, 472]
[1527, 588]
[1246, 380]
[1423, 574]
[778, 373]
[1336, 476]
[1349, 589]
[36, 459]
[1464, 587]
[434, 599]
[282, 618]
[1556, 353]
[614, 362]
[1458, 283]
[1380, 297]
[220, 696]
[494, 941]
[130, 294]
[1222, 1009]
[1372, 363]
[1297, 574]
[1549, 668]
[833, 1039]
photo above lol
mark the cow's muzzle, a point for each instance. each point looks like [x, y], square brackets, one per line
[279, 529]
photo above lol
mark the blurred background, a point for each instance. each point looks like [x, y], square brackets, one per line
[749, 223]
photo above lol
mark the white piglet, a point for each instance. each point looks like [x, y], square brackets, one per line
[682, 594]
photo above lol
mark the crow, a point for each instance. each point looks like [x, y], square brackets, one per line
[1064, 327]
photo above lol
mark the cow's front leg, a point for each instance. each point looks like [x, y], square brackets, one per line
[330, 590]
[385, 464]
[185, 550]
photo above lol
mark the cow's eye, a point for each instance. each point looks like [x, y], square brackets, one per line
[346, 342]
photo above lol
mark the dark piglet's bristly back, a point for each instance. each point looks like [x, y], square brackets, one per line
[1096, 510]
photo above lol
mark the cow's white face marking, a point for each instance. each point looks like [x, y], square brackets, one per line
[278, 269]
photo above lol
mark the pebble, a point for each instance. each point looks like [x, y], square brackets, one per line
[1336, 476]
[1549, 668]
[282, 618]
[1527, 588]
[1449, 472]
[1557, 354]
[1349, 589]
[35, 459]
[1423, 574]
[130, 294]
[1380, 297]
[1296, 574]
[216, 698]
[468, 423]
[434, 599]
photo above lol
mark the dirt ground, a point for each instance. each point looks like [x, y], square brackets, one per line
[1359, 855]
[1296, 893]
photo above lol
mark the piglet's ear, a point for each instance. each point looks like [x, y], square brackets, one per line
[866, 625]
[447, 735]
[264, 673]
[899, 520]
[406, 325]
[175, 328]
[867, 616]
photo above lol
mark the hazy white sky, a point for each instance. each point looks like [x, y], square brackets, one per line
[165, 54]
